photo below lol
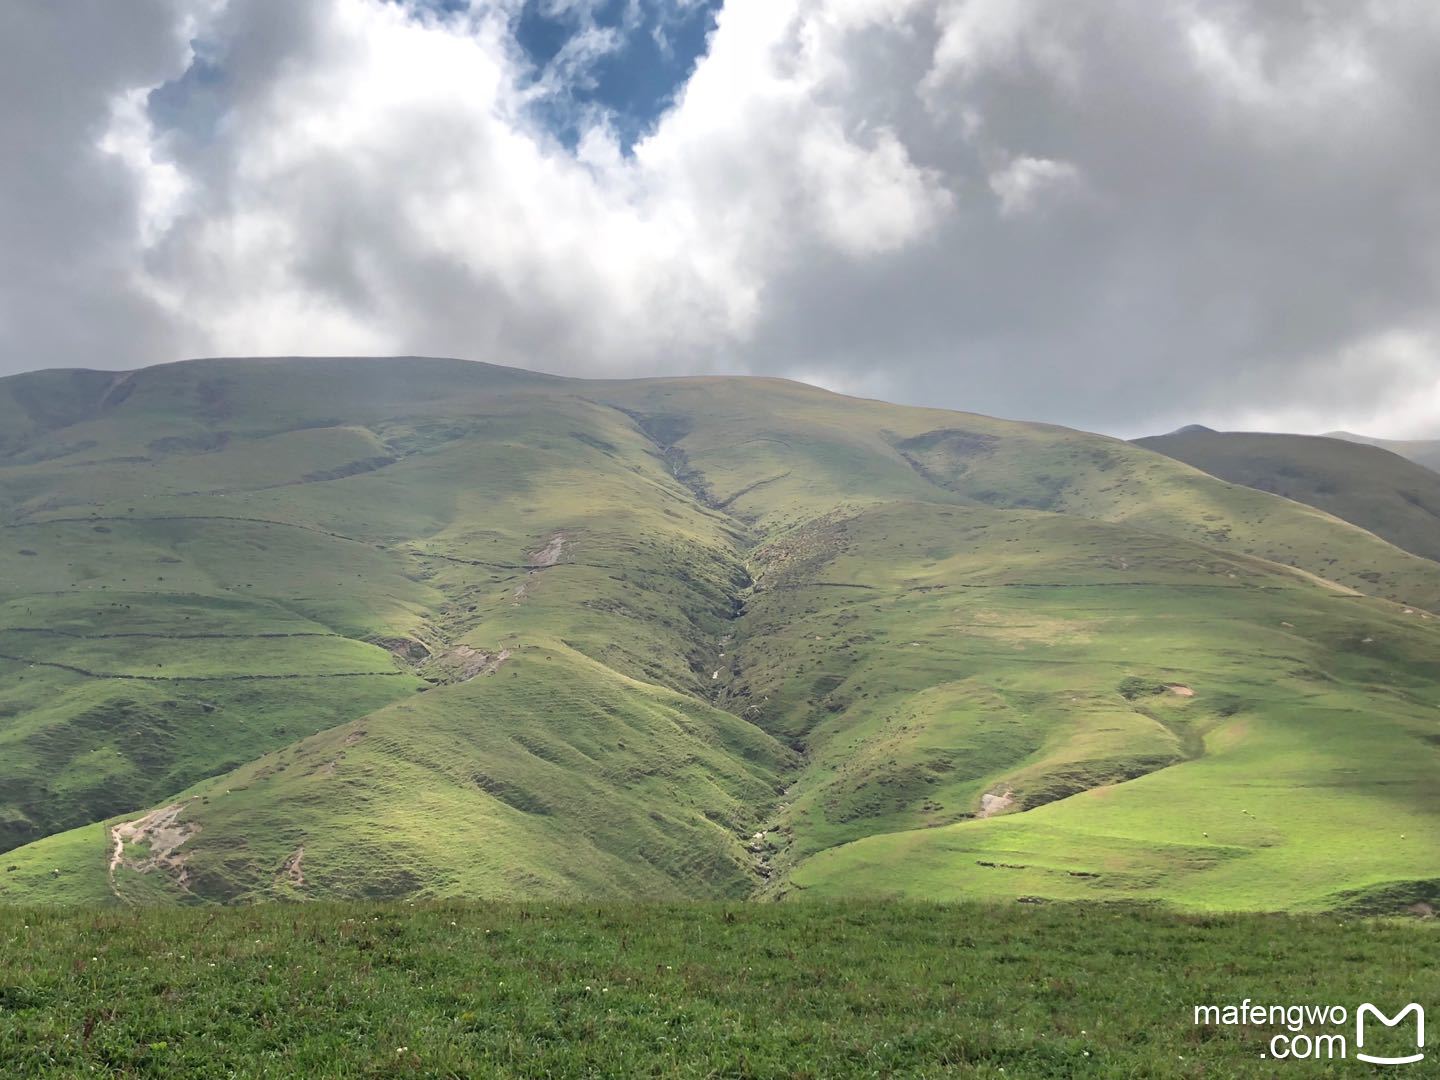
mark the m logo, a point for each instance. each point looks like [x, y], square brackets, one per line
[1413, 1007]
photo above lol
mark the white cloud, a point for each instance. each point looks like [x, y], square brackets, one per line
[395, 147]
[161, 187]
[1386, 382]
[1025, 181]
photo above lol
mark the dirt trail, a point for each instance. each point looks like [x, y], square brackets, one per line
[119, 389]
[291, 868]
[131, 519]
[163, 832]
[204, 635]
[189, 678]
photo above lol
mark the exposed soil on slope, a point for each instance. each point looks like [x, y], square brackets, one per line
[163, 833]
[291, 869]
[990, 805]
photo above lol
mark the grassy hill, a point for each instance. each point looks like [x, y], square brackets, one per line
[419, 628]
[1422, 451]
[1371, 487]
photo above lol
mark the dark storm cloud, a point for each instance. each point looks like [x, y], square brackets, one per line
[1116, 215]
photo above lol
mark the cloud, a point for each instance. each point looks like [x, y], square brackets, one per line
[1024, 181]
[70, 213]
[1120, 215]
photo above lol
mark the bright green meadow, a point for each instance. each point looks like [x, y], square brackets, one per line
[692, 727]
[417, 629]
[688, 990]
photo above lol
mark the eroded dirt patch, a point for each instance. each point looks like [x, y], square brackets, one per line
[163, 833]
[463, 663]
[550, 554]
[292, 869]
[990, 805]
[1180, 690]
[541, 559]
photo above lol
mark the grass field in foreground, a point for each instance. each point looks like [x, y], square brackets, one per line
[686, 990]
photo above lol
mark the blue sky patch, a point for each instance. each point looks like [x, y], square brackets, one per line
[654, 47]
[659, 43]
[194, 103]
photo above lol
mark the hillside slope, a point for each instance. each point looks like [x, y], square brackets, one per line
[1421, 451]
[329, 628]
[776, 454]
[1378, 490]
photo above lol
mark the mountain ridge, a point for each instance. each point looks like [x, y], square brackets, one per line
[1421, 451]
[1369, 486]
[786, 629]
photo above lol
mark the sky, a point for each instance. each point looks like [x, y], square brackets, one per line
[1120, 215]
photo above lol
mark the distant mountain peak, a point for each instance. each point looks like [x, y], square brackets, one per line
[1193, 429]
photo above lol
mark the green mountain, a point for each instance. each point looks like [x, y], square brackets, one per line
[1371, 487]
[1422, 451]
[414, 628]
